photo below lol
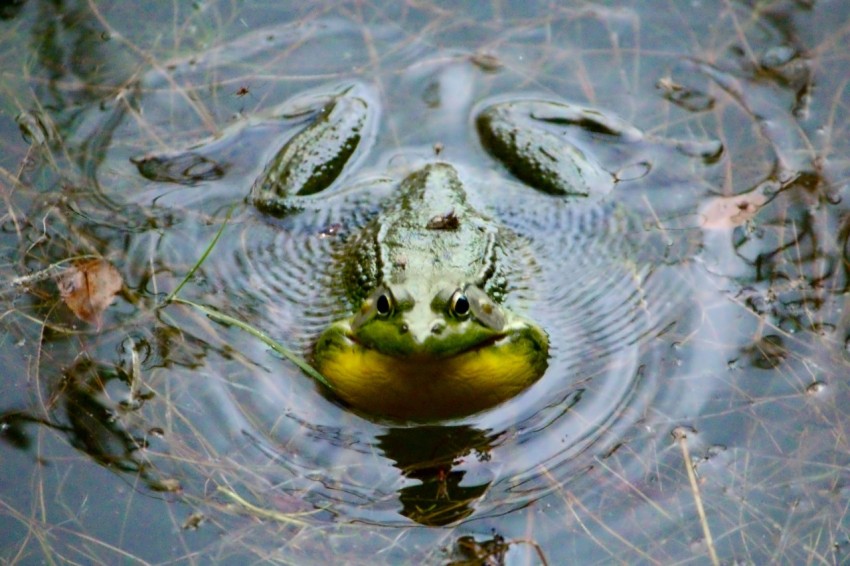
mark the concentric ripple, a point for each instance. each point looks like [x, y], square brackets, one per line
[598, 282]
[589, 280]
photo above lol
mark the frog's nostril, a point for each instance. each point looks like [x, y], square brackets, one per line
[438, 327]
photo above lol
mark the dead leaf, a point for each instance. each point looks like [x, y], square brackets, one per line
[88, 287]
[722, 213]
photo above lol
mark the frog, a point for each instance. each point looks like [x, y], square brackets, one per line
[430, 335]
[428, 290]
[430, 339]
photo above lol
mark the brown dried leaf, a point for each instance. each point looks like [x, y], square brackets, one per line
[723, 213]
[88, 287]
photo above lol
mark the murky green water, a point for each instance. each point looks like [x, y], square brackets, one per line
[162, 435]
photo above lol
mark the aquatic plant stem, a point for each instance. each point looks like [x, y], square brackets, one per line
[203, 257]
[682, 438]
[265, 338]
[229, 320]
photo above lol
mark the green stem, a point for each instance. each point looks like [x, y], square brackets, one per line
[173, 295]
[265, 338]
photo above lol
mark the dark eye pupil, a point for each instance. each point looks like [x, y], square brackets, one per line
[461, 305]
[383, 305]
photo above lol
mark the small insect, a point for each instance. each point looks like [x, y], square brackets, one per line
[243, 90]
[448, 221]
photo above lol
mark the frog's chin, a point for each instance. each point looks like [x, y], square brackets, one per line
[426, 388]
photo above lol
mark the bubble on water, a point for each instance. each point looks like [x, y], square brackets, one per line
[710, 151]
[769, 352]
[715, 450]
[36, 127]
[815, 388]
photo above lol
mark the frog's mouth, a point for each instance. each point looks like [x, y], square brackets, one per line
[424, 387]
[425, 352]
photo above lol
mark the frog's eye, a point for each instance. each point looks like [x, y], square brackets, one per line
[459, 304]
[384, 304]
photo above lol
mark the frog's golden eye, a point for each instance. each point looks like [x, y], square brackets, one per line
[384, 304]
[459, 304]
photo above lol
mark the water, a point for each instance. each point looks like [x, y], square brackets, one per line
[715, 306]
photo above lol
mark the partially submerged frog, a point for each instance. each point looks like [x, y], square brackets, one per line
[429, 280]
[430, 336]
[429, 339]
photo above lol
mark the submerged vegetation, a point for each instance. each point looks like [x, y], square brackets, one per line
[156, 403]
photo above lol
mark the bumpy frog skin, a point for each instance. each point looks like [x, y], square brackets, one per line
[429, 337]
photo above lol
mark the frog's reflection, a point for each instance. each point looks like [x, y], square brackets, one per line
[97, 416]
[433, 455]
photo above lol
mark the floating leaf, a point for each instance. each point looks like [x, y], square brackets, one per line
[88, 287]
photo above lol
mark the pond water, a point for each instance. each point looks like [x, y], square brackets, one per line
[691, 407]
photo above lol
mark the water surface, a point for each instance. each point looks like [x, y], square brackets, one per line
[719, 340]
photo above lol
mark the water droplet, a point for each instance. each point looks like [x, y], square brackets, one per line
[156, 432]
[815, 388]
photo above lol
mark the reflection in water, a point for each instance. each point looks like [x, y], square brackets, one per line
[429, 455]
[98, 420]
[760, 374]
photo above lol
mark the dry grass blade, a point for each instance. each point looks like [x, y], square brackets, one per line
[681, 436]
[289, 518]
